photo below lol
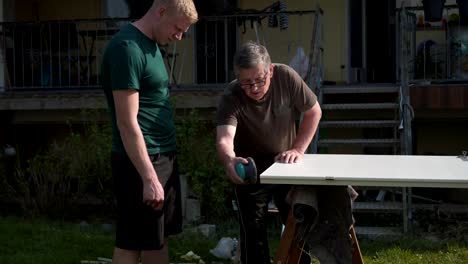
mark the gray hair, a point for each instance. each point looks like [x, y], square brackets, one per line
[249, 55]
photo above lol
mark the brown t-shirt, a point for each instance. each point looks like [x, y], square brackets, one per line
[267, 127]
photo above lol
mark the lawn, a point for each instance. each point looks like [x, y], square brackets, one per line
[40, 241]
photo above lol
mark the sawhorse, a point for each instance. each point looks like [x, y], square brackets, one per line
[290, 248]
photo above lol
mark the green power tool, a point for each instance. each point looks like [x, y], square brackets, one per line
[247, 172]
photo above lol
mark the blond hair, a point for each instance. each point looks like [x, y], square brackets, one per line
[180, 7]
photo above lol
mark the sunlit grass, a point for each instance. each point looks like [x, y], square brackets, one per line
[26, 241]
[41, 241]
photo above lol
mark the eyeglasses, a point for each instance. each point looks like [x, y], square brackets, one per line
[257, 83]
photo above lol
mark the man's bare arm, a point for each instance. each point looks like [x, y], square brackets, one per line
[225, 148]
[304, 136]
[307, 128]
[126, 107]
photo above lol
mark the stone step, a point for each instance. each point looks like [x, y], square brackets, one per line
[363, 106]
[352, 89]
[443, 208]
[359, 123]
[372, 232]
[398, 206]
[377, 206]
[385, 142]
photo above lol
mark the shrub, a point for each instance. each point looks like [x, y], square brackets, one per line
[77, 168]
[66, 171]
[198, 161]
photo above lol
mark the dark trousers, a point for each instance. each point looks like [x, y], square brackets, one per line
[138, 226]
[252, 202]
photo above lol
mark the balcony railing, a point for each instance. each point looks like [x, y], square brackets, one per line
[54, 54]
[431, 52]
[67, 54]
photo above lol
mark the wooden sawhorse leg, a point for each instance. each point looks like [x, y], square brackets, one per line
[356, 257]
[290, 249]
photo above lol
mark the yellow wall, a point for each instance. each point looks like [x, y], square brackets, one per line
[335, 38]
[282, 45]
[57, 9]
[183, 69]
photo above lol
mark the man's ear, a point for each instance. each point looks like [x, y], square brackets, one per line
[271, 69]
[161, 11]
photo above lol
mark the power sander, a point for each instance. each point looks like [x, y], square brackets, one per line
[247, 172]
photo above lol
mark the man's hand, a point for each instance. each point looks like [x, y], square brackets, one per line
[289, 156]
[231, 169]
[153, 193]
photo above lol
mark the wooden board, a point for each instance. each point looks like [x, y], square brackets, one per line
[372, 170]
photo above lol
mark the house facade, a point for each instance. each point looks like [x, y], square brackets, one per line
[51, 49]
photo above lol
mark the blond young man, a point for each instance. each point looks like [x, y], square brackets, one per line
[144, 165]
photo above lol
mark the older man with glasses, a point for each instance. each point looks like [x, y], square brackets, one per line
[257, 118]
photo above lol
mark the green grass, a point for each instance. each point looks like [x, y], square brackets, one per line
[413, 251]
[41, 241]
[37, 241]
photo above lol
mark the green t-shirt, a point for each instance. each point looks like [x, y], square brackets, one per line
[131, 60]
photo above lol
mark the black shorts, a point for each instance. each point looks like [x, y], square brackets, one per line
[138, 226]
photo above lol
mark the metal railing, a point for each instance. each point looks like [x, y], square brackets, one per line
[54, 54]
[66, 54]
[406, 43]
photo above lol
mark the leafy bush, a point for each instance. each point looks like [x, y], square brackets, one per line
[65, 172]
[7, 183]
[75, 171]
[198, 161]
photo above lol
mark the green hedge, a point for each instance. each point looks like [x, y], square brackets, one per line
[57, 180]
